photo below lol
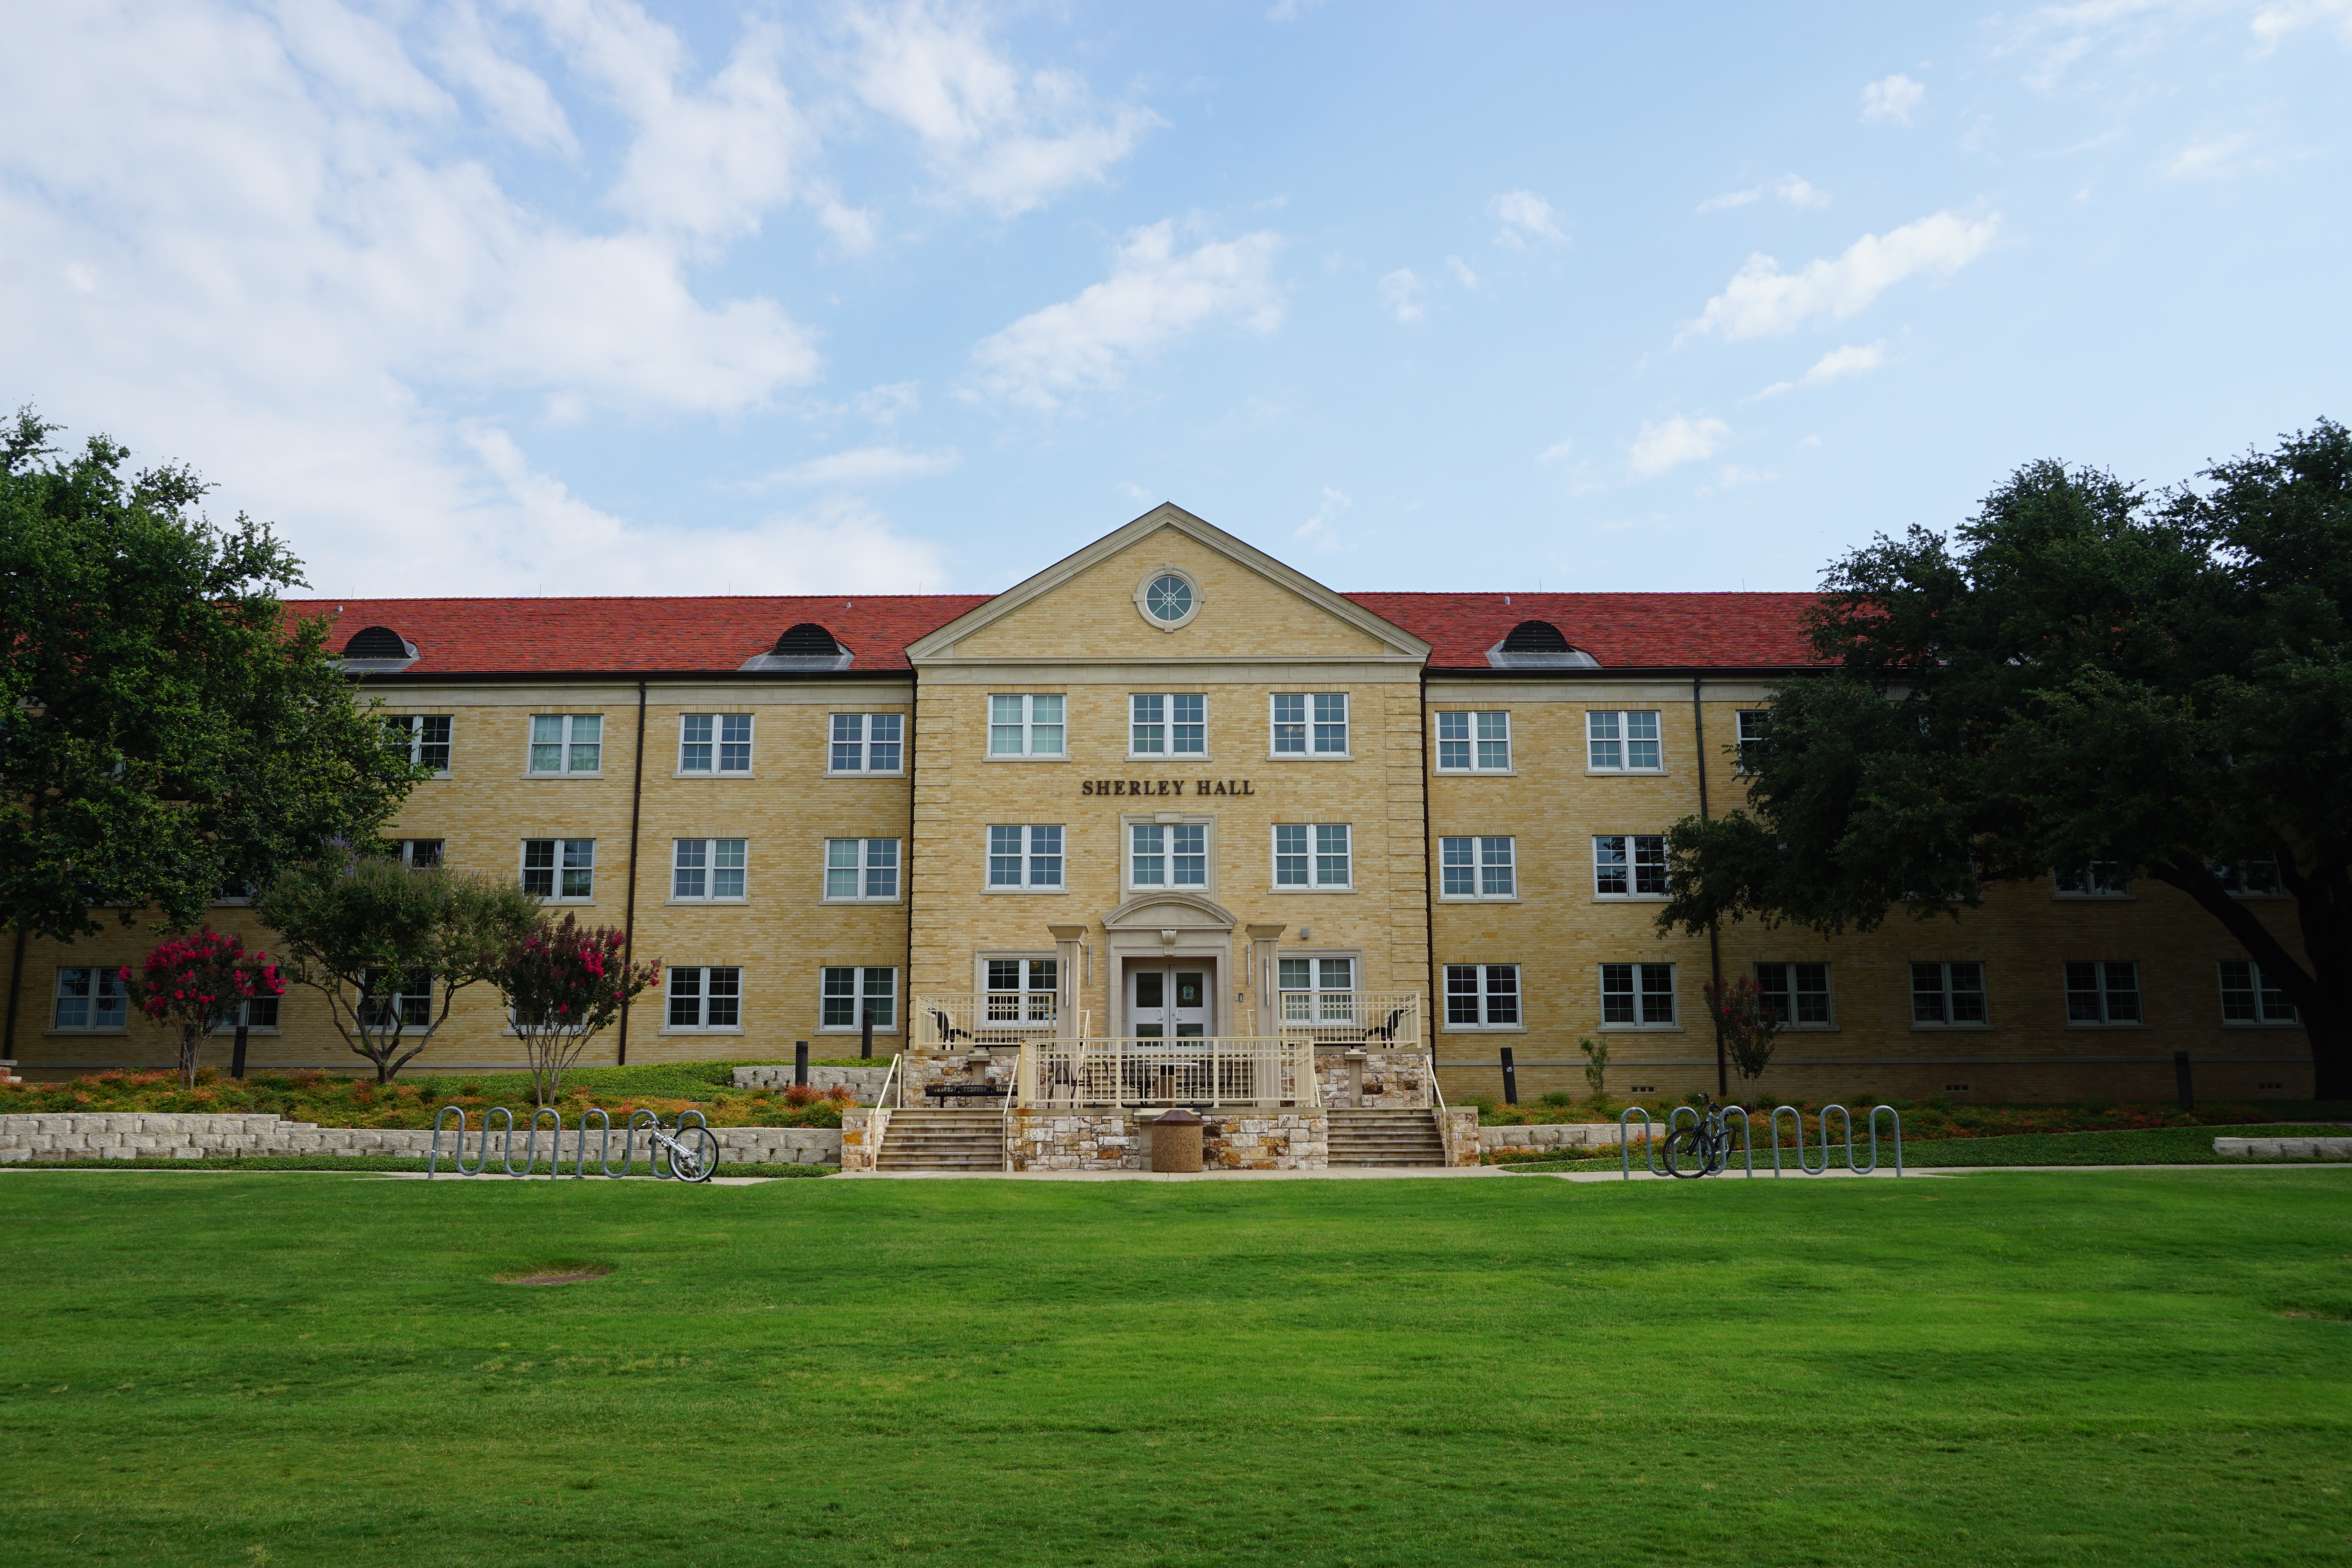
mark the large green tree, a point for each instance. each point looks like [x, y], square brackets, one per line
[2084, 672]
[166, 733]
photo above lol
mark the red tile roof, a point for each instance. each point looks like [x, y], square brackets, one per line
[583, 636]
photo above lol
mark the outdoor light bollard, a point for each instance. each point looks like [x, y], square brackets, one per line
[1511, 1079]
[2180, 1076]
[237, 1055]
[800, 1064]
[865, 1036]
[1356, 1060]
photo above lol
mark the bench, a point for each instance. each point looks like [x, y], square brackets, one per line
[943, 1092]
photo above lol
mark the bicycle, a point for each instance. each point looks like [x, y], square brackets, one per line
[692, 1154]
[1706, 1141]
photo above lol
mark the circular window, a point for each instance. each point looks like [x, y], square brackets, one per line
[1168, 598]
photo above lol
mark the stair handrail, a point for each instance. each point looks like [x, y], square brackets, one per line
[882, 1094]
[1437, 1108]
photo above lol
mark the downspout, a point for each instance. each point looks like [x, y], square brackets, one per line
[1713, 934]
[629, 908]
[1428, 897]
[16, 967]
[906, 867]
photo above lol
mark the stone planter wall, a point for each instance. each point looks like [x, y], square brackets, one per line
[129, 1135]
[1265, 1141]
[863, 1083]
[1394, 1080]
[861, 1136]
[1568, 1135]
[2284, 1147]
[1078, 1141]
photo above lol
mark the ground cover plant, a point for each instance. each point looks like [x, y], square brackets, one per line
[2147, 1368]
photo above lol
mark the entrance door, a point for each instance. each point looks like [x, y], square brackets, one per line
[1167, 1000]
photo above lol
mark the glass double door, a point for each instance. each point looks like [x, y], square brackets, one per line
[1167, 1000]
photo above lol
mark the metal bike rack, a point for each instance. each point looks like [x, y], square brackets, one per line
[1746, 1140]
[1845, 1119]
[688, 1118]
[530, 1149]
[1649, 1140]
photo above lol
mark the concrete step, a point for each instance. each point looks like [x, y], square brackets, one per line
[1385, 1138]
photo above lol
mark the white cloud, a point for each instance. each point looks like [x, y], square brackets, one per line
[992, 135]
[1839, 362]
[1672, 442]
[1761, 301]
[1527, 216]
[512, 96]
[1152, 297]
[1400, 295]
[2273, 22]
[888, 404]
[1135, 493]
[1556, 451]
[1790, 188]
[1894, 98]
[1291, 10]
[861, 466]
[2209, 159]
[1462, 273]
[1322, 530]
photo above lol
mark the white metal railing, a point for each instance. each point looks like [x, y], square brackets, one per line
[985, 1018]
[1380, 1020]
[1215, 1070]
[891, 1080]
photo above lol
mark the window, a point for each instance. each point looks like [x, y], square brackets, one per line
[1021, 990]
[1629, 865]
[714, 743]
[1623, 742]
[2096, 879]
[1310, 723]
[1168, 597]
[1316, 990]
[559, 867]
[1312, 855]
[567, 743]
[1025, 856]
[1473, 742]
[861, 868]
[1948, 994]
[405, 995]
[2106, 992]
[420, 854]
[708, 868]
[1754, 724]
[706, 997]
[1024, 726]
[1476, 869]
[89, 999]
[1796, 994]
[2256, 876]
[1167, 854]
[1167, 724]
[259, 1013]
[2248, 998]
[422, 738]
[850, 993]
[866, 743]
[1637, 995]
[1482, 995]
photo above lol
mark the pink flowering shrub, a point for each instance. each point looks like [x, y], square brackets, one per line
[197, 984]
[1747, 1024]
[566, 984]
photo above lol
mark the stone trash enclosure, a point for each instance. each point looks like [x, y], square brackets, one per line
[129, 1135]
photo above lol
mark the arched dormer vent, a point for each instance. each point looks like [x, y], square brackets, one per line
[1539, 644]
[1536, 637]
[378, 650]
[805, 646]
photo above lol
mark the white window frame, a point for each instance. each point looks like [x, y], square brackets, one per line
[242, 1014]
[2258, 996]
[716, 745]
[1485, 994]
[1480, 855]
[857, 732]
[1343, 1007]
[1475, 741]
[1028, 724]
[2104, 972]
[1947, 993]
[1315, 856]
[1619, 733]
[1313, 724]
[1788, 986]
[410, 858]
[1638, 853]
[100, 983]
[2097, 879]
[708, 853]
[863, 978]
[706, 983]
[1167, 725]
[1640, 991]
[1133, 832]
[418, 730]
[1021, 1002]
[567, 745]
[415, 1008]
[560, 862]
[1753, 727]
[1026, 851]
[872, 858]
[2238, 885]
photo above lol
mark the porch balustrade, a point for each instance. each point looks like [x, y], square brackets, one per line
[1076, 1074]
[1376, 1020]
[985, 1018]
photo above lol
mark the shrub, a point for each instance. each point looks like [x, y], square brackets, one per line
[1559, 1099]
[195, 984]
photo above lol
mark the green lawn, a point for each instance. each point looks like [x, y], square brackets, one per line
[242, 1369]
[2149, 1146]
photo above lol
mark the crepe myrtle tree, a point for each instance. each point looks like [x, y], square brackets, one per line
[2082, 672]
[565, 984]
[390, 947]
[1746, 1024]
[197, 984]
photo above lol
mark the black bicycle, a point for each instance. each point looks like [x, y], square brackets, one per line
[1704, 1145]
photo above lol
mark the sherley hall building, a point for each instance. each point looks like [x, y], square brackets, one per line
[1171, 788]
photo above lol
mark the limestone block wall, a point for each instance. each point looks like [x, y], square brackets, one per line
[2284, 1147]
[1077, 1141]
[1562, 1135]
[861, 1137]
[1265, 1141]
[1457, 1126]
[863, 1083]
[129, 1135]
[1394, 1080]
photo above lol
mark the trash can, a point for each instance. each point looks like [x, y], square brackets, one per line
[1176, 1142]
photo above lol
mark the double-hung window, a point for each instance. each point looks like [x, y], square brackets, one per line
[398, 996]
[2249, 997]
[1482, 997]
[1021, 990]
[1316, 990]
[421, 854]
[861, 870]
[1310, 723]
[254, 1013]
[1637, 995]
[703, 870]
[1473, 742]
[2256, 876]
[1629, 865]
[1167, 724]
[1312, 855]
[1755, 727]
[1167, 854]
[559, 867]
[1948, 994]
[422, 738]
[1477, 868]
[714, 743]
[1024, 854]
[2105, 991]
[851, 994]
[1796, 994]
[567, 743]
[2093, 879]
[90, 998]
[1025, 725]
[868, 744]
[705, 996]
[1622, 742]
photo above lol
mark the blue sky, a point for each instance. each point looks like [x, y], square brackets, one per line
[576, 296]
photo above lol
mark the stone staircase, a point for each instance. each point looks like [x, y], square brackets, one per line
[1369, 1137]
[921, 1138]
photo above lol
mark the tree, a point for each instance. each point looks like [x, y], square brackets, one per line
[1745, 1023]
[2083, 674]
[197, 985]
[169, 734]
[382, 942]
[565, 984]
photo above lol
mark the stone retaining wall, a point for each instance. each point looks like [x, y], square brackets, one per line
[129, 1135]
[1552, 1135]
[863, 1083]
[2284, 1148]
[1394, 1080]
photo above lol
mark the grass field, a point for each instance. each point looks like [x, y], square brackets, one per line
[242, 1369]
[2154, 1146]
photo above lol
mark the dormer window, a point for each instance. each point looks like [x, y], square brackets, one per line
[805, 646]
[378, 650]
[1536, 637]
[1539, 644]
